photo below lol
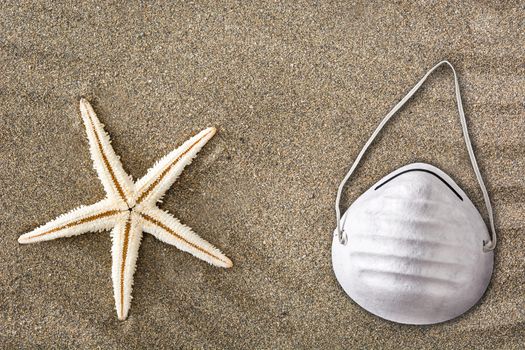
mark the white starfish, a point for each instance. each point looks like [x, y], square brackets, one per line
[130, 208]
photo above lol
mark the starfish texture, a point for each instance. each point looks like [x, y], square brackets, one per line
[130, 208]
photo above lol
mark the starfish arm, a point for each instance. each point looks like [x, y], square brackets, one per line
[163, 174]
[96, 217]
[117, 183]
[168, 229]
[126, 237]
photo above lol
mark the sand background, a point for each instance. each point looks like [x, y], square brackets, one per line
[295, 89]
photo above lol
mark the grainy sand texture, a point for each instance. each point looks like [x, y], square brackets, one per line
[295, 88]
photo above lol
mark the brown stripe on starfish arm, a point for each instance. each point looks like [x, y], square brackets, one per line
[124, 255]
[173, 233]
[118, 186]
[150, 188]
[79, 222]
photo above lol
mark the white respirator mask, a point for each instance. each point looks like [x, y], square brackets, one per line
[413, 248]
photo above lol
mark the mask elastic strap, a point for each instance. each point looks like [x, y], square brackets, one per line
[487, 246]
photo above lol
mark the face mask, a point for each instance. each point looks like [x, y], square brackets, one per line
[413, 248]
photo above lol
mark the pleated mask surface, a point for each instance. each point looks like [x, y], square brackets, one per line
[413, 248]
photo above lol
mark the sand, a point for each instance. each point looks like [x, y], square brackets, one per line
[295, 89]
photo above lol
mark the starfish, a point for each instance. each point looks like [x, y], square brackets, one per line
[130, 209]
